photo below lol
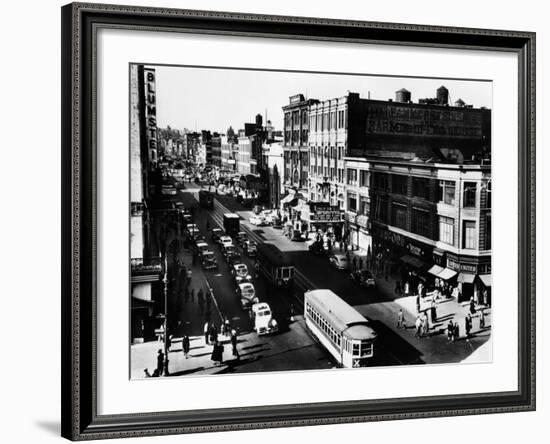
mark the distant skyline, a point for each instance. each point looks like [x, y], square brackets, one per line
[216, 98]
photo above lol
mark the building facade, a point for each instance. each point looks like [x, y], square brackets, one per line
[295, 143]
[435, 218]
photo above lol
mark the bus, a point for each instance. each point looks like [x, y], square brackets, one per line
[342, 330]
[275, 265]
[206, 199]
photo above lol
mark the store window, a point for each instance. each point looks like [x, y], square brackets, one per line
[469, 234]
[447, 192]
[470, 194]
[352, 176]
[446, 229]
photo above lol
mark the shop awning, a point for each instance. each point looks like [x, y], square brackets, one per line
[435, 270]
[466, 278]
[447, 274]
[486, 279]
[413, 261]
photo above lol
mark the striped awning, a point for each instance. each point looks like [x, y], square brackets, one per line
[486, 279]
[447, 274]
[466, 278]
[435, 270]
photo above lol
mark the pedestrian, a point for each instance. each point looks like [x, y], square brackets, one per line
[206, 330]
[400, 319]
[425, 325]
[418, 303]
[433, 311]
[160, 362]
[217, 353]
[472, 306]
[213, 333]
[406, 288]
[468, 325]
[226, 326]
[481, 319]
[208, 300]
[234, 343]
[418, 326]
[185, 345]
[450, 331]
[192, 293]
[456, 332]
[419, 288]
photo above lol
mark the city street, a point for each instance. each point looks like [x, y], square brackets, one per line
[293, 347]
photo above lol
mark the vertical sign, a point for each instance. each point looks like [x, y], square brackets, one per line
[150, 114]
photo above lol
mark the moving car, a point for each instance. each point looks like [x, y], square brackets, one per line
[192, 229]
[249, 248]
[240, 273]
[216, 234]
[264, 322]
[208, 260]
[225, 241]
[339, 261]
[317, 247]
[241, 238]
[201, 247]
[247, 293]
[230, 253]
[363, 277]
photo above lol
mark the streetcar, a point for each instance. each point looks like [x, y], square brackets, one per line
[275, 265]
[342, 330]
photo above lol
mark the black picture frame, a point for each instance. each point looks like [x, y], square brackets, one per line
[79, 386]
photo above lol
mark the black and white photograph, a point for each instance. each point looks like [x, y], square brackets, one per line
[293, 221]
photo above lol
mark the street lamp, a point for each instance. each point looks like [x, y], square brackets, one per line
[165, 280]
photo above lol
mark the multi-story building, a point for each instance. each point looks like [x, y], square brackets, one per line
[273, 154]
[229, 153]
[216, 142]
[295, 145]
[144, 261]
[436, 218]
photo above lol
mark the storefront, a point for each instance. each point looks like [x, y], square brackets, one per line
[474, 278]
[323, 217]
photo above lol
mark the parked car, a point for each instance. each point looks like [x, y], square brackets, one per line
[258, 221]
[208, 260]
[247, 293]
[339, 261]
[225, 241]
[363, 277]
[264, 322]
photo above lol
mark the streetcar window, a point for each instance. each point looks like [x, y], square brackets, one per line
[356, 349]
[286, 272]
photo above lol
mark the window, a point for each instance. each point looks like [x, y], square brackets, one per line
[364, 205]
[447, 192]
[421, 187]
[296, 118]
[446, 229]
[420, 222]
[399, 184]
[352, 176]
[352, 202]
[469, 234]
[380, 209]
[304, 117]
[488, 195]
[380, 181]
[399, 215]
[333, 120]
[469, 194]
[364, 178]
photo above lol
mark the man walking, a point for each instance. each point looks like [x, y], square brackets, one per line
[418, 327]
[400, 319]
[206, 331]
[185, 345]
[160, 362]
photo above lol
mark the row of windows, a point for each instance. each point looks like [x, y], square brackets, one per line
[421, 188]
[362, 207]
[446, 232]
[328, 120]
[324, 326]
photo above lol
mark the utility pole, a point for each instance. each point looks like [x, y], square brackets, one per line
[165, 280]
